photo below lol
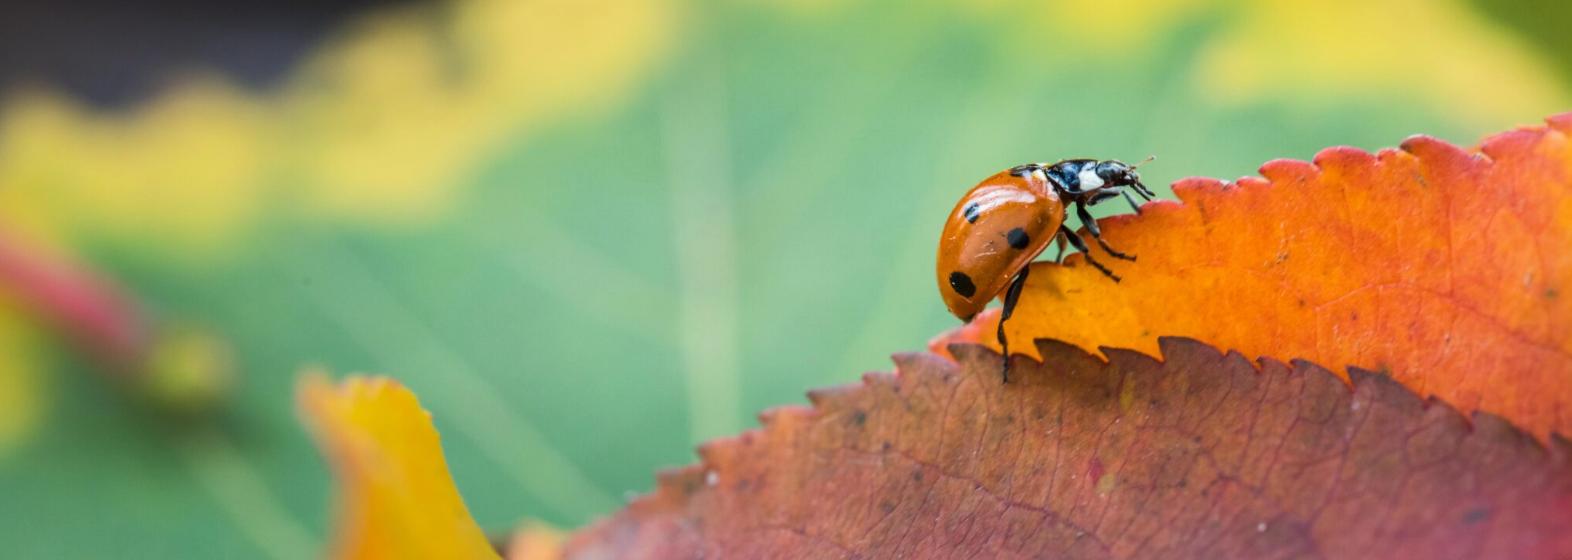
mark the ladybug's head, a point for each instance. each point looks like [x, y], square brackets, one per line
[1115, 173]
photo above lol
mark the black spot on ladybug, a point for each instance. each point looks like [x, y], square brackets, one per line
[971, 212]
[1018, 239]
[962, 284]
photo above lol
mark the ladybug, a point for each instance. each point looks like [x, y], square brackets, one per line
[1004, 222]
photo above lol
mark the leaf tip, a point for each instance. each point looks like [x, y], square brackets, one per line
[818, 397]
[1183, 347]
[906, 361]
[1128, 359]
[1287, 171]
[882, 377]
[1343, 159]
[1190, 189]
[786, 414]
[1058, 350]
[1430, 148]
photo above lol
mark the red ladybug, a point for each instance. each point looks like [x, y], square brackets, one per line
[1004, 222]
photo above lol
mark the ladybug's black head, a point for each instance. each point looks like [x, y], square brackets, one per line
[1117, 173]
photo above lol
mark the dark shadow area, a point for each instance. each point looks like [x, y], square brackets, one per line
[111, 53]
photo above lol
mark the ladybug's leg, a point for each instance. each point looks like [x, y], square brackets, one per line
[1136, 206]
[1011, 296]
[1097, 234]
[1058, 239]
[1140, 189]
[1075, 241]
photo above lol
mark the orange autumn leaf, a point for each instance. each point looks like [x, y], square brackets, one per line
[395, 498]
[1449, 269]
[1201, 455]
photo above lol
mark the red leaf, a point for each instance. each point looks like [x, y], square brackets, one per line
[1200, 455]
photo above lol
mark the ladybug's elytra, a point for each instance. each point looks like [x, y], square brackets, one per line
[1004, 222]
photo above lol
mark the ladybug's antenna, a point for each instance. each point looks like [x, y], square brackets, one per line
[1140, 188]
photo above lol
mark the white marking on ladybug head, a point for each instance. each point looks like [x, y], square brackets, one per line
[1089, 179]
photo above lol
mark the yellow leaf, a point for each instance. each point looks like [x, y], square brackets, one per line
[396, 498]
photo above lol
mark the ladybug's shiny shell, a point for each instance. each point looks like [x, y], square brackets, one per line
[997, 229]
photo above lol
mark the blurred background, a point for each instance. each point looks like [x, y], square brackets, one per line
[588, 233]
